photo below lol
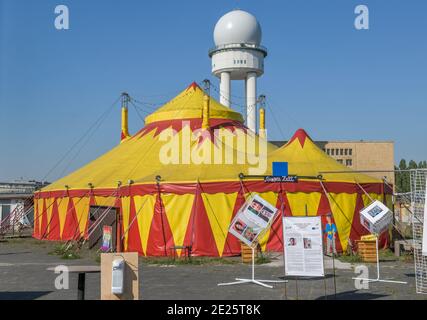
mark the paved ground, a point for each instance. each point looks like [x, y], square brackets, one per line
[23, 275]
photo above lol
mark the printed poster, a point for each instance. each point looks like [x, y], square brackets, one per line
[107, 236]
[252, 219]
[303, 248]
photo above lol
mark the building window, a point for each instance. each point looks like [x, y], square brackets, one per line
[348, 162]
[339, 161]
[345, 152]
[332, 152]
[350, 152]
[337, 151]
[327, 151]
[341, 152]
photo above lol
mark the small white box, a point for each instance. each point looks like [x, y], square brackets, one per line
[376, 217]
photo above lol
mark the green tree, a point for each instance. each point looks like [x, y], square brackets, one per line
[403, 178]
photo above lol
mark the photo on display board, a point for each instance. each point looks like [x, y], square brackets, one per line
[307, 243]
[239, 226]
[292, 242]
[375, 211]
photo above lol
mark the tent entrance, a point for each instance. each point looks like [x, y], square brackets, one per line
[99, 216]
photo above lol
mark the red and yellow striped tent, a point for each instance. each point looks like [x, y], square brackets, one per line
[193, 202]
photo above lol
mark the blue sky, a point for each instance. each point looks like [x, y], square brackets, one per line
[321, 73]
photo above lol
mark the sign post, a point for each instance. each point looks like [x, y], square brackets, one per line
[376, 218]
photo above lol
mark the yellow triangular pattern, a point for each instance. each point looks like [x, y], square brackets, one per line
[144, 209]
[62, 212]
[219, 208]
[367, 201]
[81, 206]
[125, 215]
[105, 201]
[40, 213]
[36, 212]
[343, 206]
[178, 211]
[298, 201]
[49, 206]
[270, 197]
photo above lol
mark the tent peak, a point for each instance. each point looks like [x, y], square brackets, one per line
[193, 86]
[301, 135]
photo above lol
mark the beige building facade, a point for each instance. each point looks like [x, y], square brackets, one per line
[374, 158]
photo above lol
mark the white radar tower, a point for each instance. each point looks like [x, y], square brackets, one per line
[238, 55]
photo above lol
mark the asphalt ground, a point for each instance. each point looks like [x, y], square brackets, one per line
[24, 275]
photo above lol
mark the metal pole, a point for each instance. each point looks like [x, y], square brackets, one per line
[81, 286]
[253, 264]
[333, 268]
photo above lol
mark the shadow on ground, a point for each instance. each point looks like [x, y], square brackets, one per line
[353, 295]
[22, 295]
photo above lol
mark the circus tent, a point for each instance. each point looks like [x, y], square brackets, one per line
[190, 196]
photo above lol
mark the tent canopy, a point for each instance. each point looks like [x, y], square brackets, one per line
[305, 158]
[139, 157]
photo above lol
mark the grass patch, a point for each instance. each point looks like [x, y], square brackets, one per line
[183, 261]
[262, 259]
[354, 258]
[61, 250]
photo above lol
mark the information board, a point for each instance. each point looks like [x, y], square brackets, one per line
[252, 219]
[303, 248]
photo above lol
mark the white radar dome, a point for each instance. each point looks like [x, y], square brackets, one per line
[237, 26]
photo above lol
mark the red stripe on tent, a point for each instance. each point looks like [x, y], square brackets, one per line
[232, 244]
[43, 229]
[195, 124]
[189, 233]
[36, 230]
[160, 238]
[54, 228]
[71, 229]
[203, 240]
[227, 187]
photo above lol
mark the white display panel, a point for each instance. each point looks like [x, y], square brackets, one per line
[376, 217]
[303, 246]
[252, 219]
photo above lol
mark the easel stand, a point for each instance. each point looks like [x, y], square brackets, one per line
[253, 280]
[378, 271]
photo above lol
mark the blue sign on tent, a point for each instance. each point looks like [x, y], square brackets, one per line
[280, 169]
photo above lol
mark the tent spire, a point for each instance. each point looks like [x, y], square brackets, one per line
[125, 128]
[262, 131]
[205, 117]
